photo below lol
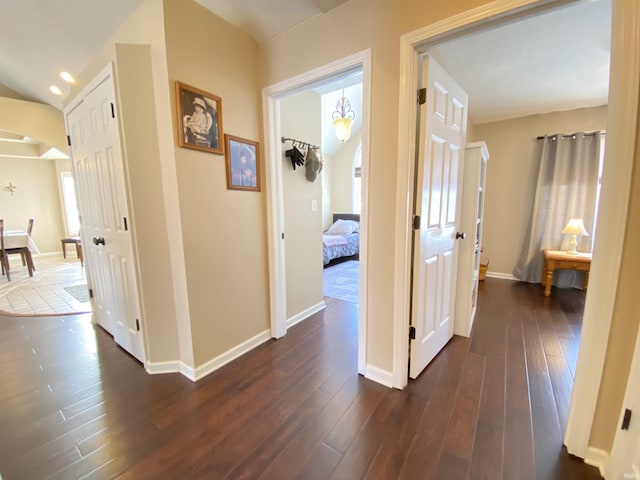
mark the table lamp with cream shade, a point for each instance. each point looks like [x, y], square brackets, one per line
[574, 228]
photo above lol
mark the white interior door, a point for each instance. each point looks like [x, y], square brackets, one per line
[625, 455]
[442, 131]
[106, 239]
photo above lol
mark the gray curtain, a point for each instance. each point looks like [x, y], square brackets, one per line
[566, 188]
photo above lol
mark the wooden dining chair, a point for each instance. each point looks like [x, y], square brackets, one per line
[29, 230]
[24, 252]
[4, 260]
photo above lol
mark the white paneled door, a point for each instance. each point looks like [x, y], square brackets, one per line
[441, 138]
[106, 237]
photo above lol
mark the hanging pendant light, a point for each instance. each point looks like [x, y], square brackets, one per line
[343, 118]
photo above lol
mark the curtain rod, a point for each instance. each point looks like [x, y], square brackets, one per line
[299, 143]
[569, 135]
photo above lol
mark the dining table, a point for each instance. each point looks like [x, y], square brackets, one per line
[21, 239]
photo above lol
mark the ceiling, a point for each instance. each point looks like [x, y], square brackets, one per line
[557, 60]
[554, 61]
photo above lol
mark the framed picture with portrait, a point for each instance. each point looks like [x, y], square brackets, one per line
[243, 163]
[199, 117]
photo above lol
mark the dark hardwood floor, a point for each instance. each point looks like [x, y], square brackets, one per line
[73, 405]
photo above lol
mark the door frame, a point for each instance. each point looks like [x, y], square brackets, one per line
[271, 96]
[619, 156]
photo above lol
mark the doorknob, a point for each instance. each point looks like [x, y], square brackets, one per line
[461, 235]
[98, 241]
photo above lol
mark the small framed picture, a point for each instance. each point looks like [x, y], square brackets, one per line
[199, 117]
[243, 163]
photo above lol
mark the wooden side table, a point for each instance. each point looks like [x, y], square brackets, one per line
[558, 259]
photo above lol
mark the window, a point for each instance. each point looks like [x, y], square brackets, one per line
[357, 180]
[71, 214]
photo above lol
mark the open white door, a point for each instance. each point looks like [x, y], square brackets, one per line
[106, 239]
[442, 131]
[625, 454]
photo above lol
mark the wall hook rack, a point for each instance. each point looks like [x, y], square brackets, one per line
[299, 143]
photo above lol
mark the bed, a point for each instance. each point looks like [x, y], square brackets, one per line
[341, 241]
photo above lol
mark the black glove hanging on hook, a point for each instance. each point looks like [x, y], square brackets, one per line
[296, 156]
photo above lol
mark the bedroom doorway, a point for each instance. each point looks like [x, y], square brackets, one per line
[301, 207]
[322, 206]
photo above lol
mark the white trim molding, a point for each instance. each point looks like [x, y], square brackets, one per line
[502, 276]
[597, 458]
[612, 218]
[379, 375]
[157, 368]
[305, 314]
[271, 96]
[230, 355]
[176, 366]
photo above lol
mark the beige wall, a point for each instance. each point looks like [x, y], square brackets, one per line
[7, 92]
[624, 324]
[512, 173]
[300, 118]
[211, 293]
[36, 197]
[150, 170]
[342, 175]
[224, 230]
[362, 24]
[327, 174]
[42, 122]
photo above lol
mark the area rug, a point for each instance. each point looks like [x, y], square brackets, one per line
[58, 287]
[342, 281]
[79, 292]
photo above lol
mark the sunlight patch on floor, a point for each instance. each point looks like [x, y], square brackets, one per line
[53, 289]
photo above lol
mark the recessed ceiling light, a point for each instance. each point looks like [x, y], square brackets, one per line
[67, 77]
[55, 89]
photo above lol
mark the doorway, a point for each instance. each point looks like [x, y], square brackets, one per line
[620, 147]
[272, 103]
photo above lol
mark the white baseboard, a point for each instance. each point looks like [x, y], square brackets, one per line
[226, 357]
[597, 458]
[503, 276]
[49, 254]
[176, 366]
[379, 376]
[305, 314]
[156, 368]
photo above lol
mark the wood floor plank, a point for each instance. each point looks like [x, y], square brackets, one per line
[293, 457]
[488, 447]
[535, 353]
[547, 434]
[321, 464]
[461, 430]
[367, 444]
[518, 460]
[493, 406]
[401, 429]
[421, 460]
[348, 427]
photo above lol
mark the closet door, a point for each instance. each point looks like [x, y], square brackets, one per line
[107, 244]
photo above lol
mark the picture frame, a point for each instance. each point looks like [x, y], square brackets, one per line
[243, 163]
[199, 119]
